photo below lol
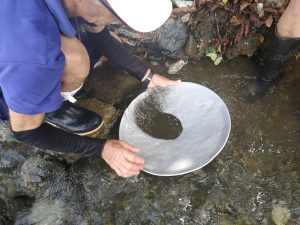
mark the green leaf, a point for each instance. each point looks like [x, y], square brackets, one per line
[219, 48]
[225, 2]
[212, 55]
[218, 60]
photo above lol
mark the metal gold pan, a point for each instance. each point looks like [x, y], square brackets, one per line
[206, 127]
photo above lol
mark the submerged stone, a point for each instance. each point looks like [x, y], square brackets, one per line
[10, 159]
[281, 215]
[38, 170]
[176, 67]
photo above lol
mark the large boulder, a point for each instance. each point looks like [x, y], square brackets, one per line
[173, 37]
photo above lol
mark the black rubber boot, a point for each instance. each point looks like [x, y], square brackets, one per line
[74, 119]
[281, 51]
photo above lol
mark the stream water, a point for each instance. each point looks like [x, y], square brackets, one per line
[254, 180]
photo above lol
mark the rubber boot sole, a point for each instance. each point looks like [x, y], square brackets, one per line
[81, 134]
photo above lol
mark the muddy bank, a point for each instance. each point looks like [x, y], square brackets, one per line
[218, 29]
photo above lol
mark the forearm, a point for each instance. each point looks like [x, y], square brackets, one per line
[48, 137]
[108, 46]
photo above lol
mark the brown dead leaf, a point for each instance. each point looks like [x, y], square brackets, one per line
[247, 27]
[269, 21]
[240, 33]
[244, 4]
[235, 21]
[271, 10]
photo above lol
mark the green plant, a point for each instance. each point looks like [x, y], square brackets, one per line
[214, 54]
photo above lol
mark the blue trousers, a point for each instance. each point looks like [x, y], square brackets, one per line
[94, 56]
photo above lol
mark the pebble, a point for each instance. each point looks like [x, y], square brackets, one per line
[175, 67]
[281, 215]
[186, 18]
[154, 63]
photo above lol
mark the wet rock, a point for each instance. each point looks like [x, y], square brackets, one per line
[111, 85]
[191, 47]
[154, 57]
[58, 195]
[275, 3]
[10, 198]
[176, 67]
[50, 212]
[246, 46]
[7, 189]
[10, 159]
[7, 212]
[5, 132]
[173, 37]
[15, 152]
[108, 113]
[38, 170]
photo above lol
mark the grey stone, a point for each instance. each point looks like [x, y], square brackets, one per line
[177, 66]
[5, 132]
[10, 159]
[37, 170]
[111, 85]
[173, 37]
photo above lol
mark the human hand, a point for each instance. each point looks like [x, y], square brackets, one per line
[122, 158]
[160, 81]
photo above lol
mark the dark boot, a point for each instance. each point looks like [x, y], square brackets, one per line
[281, 51]
[74, 119]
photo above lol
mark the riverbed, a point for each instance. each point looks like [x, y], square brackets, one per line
[254, 180]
